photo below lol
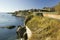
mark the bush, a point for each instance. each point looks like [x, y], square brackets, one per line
[28, 18]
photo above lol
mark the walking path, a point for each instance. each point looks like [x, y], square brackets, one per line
[52, 16]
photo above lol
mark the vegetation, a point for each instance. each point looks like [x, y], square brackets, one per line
[44, 28]
[45, 9]
[28, 18]
[57, 8]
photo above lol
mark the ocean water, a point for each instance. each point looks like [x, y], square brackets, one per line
[9, 20]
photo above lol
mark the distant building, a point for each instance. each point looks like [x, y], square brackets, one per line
[49, 9]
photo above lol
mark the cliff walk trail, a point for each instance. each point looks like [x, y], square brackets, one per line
[52, 16]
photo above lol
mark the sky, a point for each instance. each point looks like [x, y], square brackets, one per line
[15, 5]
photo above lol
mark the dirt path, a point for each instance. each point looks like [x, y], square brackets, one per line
[52, 16]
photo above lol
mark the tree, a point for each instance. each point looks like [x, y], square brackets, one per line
[57, 8]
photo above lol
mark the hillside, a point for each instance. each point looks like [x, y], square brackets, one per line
[44, 28]
[57, 8]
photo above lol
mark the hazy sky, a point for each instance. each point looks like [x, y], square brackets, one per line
[13, 5]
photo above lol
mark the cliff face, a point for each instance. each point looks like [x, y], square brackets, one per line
[44, 28]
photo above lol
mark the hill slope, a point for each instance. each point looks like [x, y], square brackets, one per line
[44, 28]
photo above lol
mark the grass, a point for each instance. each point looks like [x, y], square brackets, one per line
[44, 28]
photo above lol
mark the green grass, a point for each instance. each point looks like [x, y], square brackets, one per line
[43, 27]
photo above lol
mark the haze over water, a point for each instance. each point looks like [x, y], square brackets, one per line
[8, 19]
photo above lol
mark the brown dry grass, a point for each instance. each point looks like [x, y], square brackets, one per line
[44, 28]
